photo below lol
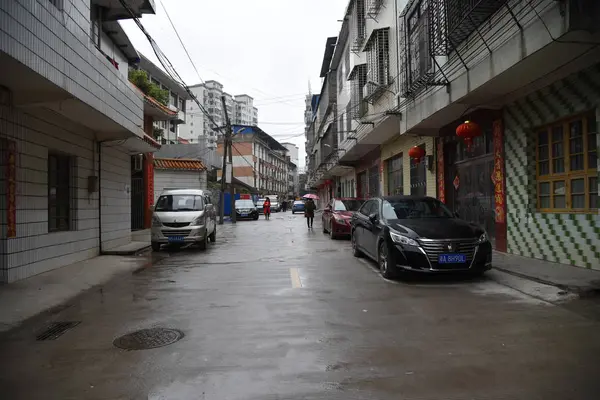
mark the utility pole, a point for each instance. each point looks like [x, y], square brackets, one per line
[223, 177]
[229, 135]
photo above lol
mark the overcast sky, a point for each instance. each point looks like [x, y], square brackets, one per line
[268, 49]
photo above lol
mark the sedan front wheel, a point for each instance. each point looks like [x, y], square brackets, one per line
[355, 250]
[386, 264]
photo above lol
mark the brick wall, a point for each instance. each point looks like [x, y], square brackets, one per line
[560, 237]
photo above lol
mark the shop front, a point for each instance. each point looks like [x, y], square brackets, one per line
[471, 180]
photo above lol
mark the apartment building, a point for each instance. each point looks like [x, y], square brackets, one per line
[198, 127]
[524, 74]
[69, 122]
[259, 160]
[178, 97]
[292, 152]
[245, 112]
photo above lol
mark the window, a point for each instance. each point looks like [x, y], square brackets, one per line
[378, 59]
[418, 177]
[566, 165]
[418, 46]
[96, 24]
[59, 193]
[180, 202]
[395, 176]
[367, 208]
[174, 100]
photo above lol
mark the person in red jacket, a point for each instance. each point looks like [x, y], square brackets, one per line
[267, 208]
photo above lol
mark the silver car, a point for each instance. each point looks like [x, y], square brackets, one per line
[183, 216]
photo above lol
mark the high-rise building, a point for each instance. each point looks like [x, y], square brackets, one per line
[199, 127]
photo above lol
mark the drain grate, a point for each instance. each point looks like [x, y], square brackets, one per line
[56, 329]
[148, 339]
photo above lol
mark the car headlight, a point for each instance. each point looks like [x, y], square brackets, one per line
[400, 239]
[483, 238]
[339, 219]
[198, 221]
[156, 221]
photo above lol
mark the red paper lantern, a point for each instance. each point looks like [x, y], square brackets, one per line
[468, 131]
[416, 153]
[328, 182]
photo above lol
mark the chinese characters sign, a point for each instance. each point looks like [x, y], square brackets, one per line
[149, 182]
[498, 173]
[440, 172]
[11, 192]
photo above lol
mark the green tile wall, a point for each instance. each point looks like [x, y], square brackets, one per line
[566, 238]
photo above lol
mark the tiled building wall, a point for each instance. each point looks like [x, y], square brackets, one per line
[566, 238]
[35, 250]
[56, 44]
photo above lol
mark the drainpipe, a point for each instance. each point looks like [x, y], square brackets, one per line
[99, 150]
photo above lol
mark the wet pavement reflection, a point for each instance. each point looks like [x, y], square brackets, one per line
[275, 311]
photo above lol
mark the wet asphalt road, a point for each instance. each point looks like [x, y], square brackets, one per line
[274, 311]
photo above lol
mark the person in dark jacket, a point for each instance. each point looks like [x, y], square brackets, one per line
[309, 212]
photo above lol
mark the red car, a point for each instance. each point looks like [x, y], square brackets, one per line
[337, 214]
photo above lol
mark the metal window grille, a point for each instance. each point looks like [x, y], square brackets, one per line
[59, 192]
[395, 172]
[374, 7]
[359, 26]
[359, 80]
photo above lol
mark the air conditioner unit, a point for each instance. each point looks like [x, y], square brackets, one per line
[138, 162]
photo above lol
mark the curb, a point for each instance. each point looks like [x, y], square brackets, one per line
[126, 253]
[580, 291]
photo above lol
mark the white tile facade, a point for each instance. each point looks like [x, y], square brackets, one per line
[56, 44]
[37, 132]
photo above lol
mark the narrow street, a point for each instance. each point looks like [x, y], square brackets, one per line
[274, 311]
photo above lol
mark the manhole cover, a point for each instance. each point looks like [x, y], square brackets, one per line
[148, 339]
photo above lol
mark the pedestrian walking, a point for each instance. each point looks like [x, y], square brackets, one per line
[284, 206]
[309, 212]
[267, 208]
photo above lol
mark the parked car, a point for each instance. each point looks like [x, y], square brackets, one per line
[183, 216]
[298, 206]
[418, 234]
[275, 206]
[337, 214]
[245, 209]
[259, 205]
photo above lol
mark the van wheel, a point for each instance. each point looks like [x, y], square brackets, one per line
[155, 246]
[204, 243]
[213, 235]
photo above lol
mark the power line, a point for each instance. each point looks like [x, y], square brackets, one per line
[181, 41]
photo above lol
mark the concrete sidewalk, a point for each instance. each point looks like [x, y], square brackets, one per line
[581, 281]
[24, 299]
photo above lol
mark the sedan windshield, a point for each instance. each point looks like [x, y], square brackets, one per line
[244, 204]
[260, 202]
[347, 205]
[179, 202]
[298, 202]
[415, 209]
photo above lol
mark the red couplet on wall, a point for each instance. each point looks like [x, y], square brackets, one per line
[499, 179]
[149, 185]
[11, 192]
[440, 172]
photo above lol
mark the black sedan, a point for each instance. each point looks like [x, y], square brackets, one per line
[245, 209]
[418, 234]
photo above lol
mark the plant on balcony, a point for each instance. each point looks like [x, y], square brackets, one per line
[158, 133]
[140, 79]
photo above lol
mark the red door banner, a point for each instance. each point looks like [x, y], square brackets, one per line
[149, 183]
[440, 172]
[498, 178]
[11, 192]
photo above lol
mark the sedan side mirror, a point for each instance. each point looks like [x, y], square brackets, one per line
[373, 217]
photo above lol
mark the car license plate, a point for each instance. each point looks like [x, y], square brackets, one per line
[244, 215]
[175, 239]
[452, 259]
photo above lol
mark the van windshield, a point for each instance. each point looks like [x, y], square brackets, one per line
[179, 202]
